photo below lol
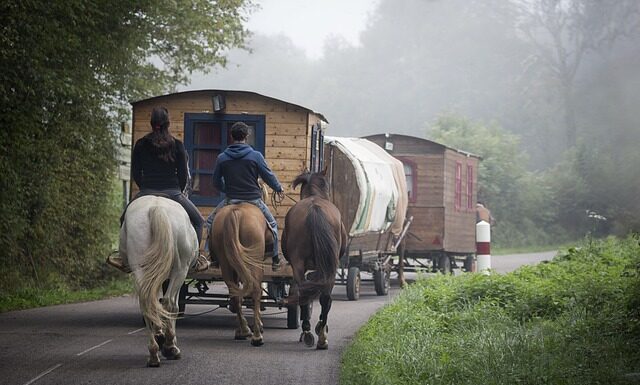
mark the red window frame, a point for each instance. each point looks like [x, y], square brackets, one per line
[458, 188]
[469, 187]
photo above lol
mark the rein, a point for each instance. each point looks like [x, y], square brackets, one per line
[277, 199]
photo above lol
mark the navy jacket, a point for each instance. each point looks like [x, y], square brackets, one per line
[237, 171]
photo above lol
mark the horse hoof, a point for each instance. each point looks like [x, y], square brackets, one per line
[172, 353]
[309, 339]
[153, 363]
[319, 328]
[323, 346]
[259, 342]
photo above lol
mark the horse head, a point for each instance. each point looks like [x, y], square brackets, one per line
[312, 184]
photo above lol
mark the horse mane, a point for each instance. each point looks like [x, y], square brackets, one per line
[313, 184]
[302, 179]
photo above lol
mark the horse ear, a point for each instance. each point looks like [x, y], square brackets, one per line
[324, 172]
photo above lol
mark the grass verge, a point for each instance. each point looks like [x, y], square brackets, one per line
[575, 320]
[52, 291]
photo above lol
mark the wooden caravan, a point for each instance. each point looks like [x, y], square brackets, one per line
[283, 132]
[368, 187]
[442, 192]
[288, 135]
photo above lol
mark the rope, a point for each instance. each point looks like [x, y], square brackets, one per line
[278, 198]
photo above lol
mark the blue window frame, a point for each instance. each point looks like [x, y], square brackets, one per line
[205, 137]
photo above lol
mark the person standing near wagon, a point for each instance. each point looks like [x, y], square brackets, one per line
[483, 214]
[236, 174]
[159, 167]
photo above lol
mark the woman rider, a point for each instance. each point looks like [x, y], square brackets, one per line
[159, 167]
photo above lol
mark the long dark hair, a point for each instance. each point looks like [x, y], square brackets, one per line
[161, 139]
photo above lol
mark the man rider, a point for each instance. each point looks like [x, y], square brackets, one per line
[236, 174]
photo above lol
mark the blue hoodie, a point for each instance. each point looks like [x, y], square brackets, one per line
[237, 171]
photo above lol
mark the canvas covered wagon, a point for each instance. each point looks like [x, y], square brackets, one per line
[288, 135]
[369, 189]
[442, 194]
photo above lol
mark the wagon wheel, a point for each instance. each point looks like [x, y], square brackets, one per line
[182, 299]
[382, 281]
[470, 263]
[293, 316]
[444, 264]
[353, 283]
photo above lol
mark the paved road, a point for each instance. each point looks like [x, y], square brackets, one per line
[102, 342]
[507, 263]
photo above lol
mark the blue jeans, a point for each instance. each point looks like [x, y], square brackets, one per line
[271, 221]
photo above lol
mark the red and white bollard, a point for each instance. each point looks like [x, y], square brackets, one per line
[483, 246]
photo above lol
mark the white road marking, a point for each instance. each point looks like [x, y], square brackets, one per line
[39, 376]
[135, 331]
[95, 347]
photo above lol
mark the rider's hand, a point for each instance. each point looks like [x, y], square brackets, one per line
[280, 195]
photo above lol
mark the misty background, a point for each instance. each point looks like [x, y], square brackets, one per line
[561, 77]
[420, 59]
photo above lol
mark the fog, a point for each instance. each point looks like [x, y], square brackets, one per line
[491, 60]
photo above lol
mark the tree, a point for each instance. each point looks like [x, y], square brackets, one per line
[563, 33]
[518, 199]
[68, 70]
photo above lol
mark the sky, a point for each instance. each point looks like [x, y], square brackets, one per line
[309, 22]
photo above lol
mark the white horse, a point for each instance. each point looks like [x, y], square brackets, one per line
[159, 242]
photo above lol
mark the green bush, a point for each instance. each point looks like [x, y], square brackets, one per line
[571, 321]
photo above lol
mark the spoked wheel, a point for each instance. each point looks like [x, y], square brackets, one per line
[353, 283]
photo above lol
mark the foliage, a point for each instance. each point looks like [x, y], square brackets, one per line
[595, 192]
[562, 34]
[67, 70]
[574, 320]
[53, 289]
[518, 199]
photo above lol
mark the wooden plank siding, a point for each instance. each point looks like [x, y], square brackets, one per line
[287, 131]
[459, 221]
[434, 211]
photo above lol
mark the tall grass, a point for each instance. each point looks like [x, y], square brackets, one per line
[572, 321]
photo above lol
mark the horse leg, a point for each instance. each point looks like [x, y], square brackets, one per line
[156, 338]
[256, 339]
[169, 349]
[321, 327]
[305, 316]
[242, 331]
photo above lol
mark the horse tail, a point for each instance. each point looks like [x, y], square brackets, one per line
[156, 266]
[324, 251]
[237, 254]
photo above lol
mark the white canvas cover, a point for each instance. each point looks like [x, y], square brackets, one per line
[381, 195]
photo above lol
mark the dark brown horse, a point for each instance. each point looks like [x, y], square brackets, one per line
[313, 240]
[238, 236]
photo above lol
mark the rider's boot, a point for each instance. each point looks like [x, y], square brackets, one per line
[115, 260]
[200, 264]
[275, 263]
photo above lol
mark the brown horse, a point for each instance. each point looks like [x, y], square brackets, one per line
[313, 240]
[239, 233]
